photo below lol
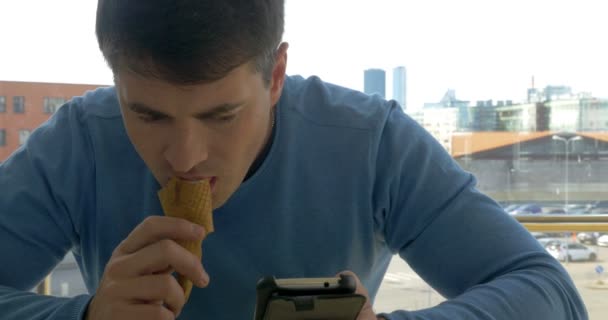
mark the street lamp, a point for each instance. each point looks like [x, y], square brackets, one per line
[566, 142]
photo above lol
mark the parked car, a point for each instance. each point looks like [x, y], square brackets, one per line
[603, 241]
[577, 208]
[510, 208]
[599, 211]
[599, 207]
[572, 252]
[588, 237]
[539, 235]
[530, 208]
[549, 242]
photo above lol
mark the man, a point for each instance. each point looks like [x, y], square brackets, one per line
[308, 180]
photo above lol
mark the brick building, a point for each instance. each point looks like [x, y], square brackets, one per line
[26, 105]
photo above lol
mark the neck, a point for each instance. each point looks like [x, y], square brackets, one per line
[267, 144]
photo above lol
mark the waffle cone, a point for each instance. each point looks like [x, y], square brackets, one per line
[191, 201]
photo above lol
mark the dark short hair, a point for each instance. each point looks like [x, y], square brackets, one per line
[190, 41]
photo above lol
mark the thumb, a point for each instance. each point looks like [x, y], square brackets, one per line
[367, 312]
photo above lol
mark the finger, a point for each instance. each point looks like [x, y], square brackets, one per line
[367, 312]
[360, 289]
[155, 289]
[160, 257]
[156, 228]
[169, 270]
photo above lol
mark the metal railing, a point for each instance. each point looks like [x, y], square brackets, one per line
[564, 222]
[45, 286]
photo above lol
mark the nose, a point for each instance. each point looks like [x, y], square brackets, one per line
[188, 147]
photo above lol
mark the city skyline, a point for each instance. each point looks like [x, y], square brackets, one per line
[479, 57]
[375, 82]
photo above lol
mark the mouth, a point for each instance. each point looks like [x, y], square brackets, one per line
[212, 180]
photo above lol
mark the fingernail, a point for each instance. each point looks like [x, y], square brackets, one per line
[203, 281]
[198, 230]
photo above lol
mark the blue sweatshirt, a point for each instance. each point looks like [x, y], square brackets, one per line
[348, 182]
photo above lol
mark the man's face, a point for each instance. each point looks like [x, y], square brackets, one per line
[208, 131]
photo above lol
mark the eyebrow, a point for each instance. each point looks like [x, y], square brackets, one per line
[216, 111]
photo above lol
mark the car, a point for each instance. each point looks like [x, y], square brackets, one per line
[601, 204]
[571, 252]
[530, 208]
[603, 241]
[550, 241]
[556, 211]
[512, 207]
[539, 235]
[577, 208]
[599, 211]
[599, 207]
[579, 211]
[588, 237]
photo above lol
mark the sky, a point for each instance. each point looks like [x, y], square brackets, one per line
[483, 49]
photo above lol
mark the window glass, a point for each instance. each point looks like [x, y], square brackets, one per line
[23, 136]
[512, 90]
[2, 138]
[52, 104]
[2, 104]
[19, 104]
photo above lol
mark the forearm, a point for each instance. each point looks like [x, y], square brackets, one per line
[542, 293]
[19, 305]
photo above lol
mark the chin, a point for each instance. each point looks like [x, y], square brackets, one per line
[222, 194]
[219, 201]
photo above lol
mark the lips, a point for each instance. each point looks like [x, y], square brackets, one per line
[212, 180]
[193, 178]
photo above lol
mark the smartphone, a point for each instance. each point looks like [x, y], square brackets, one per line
[308, 299]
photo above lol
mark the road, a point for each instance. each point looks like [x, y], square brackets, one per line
[401, 288]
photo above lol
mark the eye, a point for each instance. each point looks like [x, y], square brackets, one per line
[226, 118]
[150, 117]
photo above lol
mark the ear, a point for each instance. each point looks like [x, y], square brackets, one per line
[278, 73]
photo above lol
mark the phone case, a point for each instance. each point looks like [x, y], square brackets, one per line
[277, 303]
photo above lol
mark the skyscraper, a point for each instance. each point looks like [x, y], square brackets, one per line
[399, 86]
[374, 81]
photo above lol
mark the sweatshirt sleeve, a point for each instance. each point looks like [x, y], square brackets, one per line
[460, 241]
[42, 194]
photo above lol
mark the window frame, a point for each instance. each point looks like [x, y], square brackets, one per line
[21, 109]
[22, 140]
[50, 105]
[3, 134]
[2, 104]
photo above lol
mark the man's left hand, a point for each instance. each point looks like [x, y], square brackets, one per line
[367, 312]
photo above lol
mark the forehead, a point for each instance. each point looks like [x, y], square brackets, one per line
[240, 84]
